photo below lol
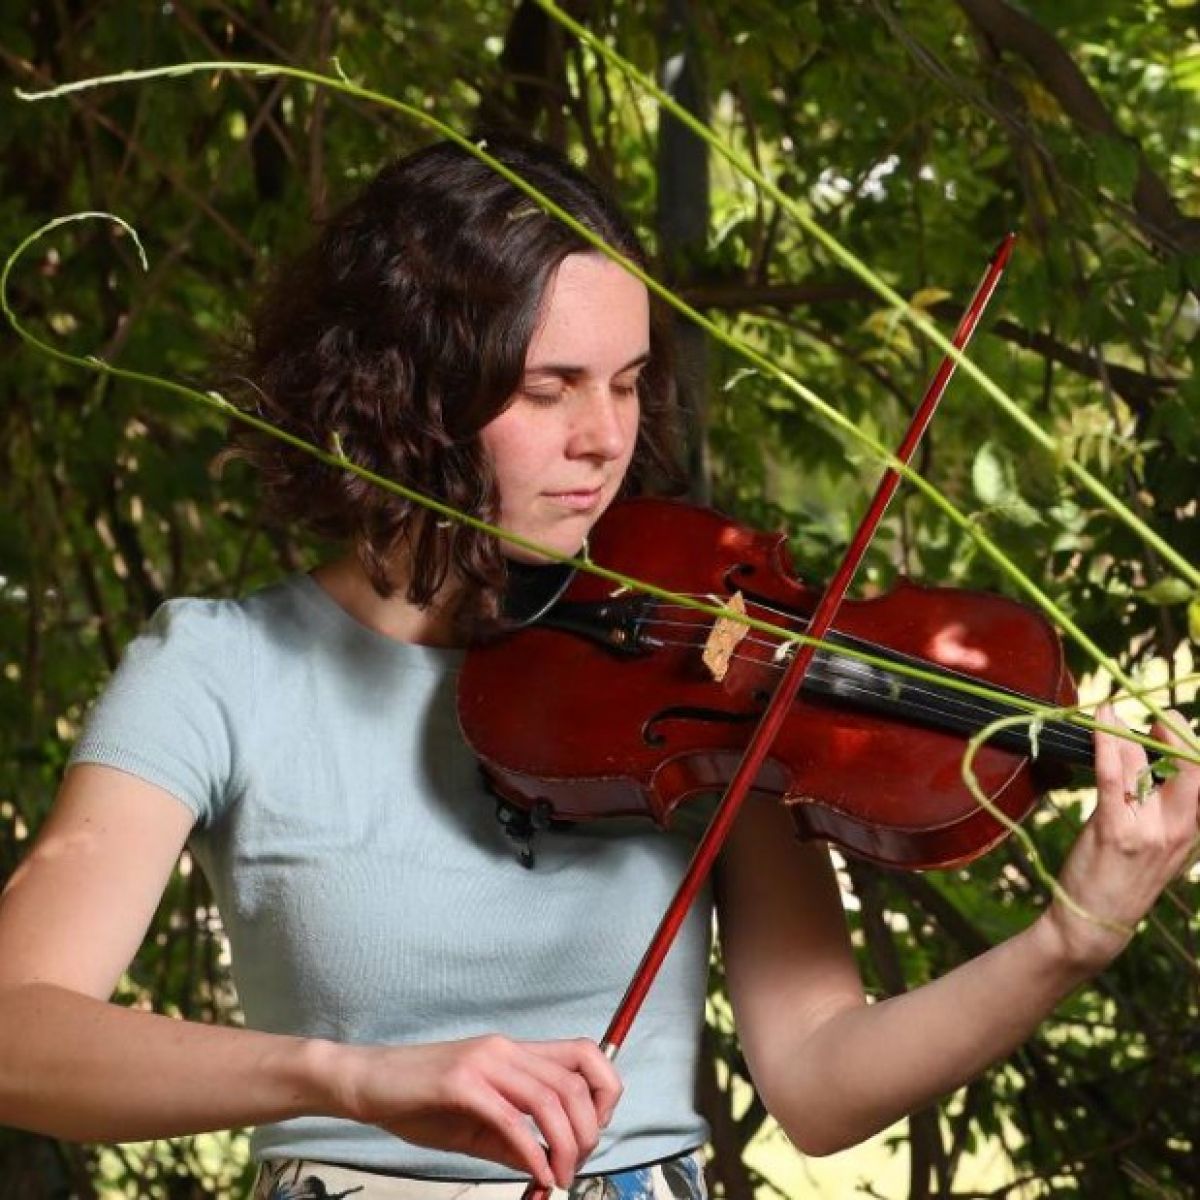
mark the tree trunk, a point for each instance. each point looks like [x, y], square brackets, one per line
[683, 209]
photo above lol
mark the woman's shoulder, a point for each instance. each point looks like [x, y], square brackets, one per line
[183, 706]
[216, 637]
[209, 617]
[270, 633]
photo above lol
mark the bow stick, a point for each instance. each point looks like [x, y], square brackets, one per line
[831, 414]
[338, 459]
[335, 457]
[715, 836]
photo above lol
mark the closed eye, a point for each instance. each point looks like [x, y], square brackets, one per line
[545, 396]
[627, 385]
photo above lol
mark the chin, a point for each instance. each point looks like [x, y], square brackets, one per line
[567, 538]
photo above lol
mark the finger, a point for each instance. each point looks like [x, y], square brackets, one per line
[1134, 762]
[1175, 729]
[1168, 731]
[584, 1056]
[510, 1138]
[577, 1099]
[588, 1087]
[1181, 791]
[544, 1105]
[1110, 767]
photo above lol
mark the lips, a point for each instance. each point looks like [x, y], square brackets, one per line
[579, 500]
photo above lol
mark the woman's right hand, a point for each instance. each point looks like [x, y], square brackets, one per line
[490, 1097]
[73, 1066]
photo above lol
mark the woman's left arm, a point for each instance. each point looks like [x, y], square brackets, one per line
[833, 1069]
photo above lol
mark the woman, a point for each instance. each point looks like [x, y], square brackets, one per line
[418, 1006]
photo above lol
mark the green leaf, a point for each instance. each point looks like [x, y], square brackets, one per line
[1117, 163]
[988, 475]
[1194, 621]
[925, 298]
[1186, 72]
[1167, 591]
[14, 546]
[995, 482]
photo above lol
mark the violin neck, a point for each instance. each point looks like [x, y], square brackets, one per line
[623, 627]
[864, 686]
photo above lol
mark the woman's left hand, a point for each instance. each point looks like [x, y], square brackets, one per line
[1133, 845]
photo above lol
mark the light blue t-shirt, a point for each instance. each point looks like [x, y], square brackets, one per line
[367, 889]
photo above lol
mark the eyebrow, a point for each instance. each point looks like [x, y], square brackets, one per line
[567, 371]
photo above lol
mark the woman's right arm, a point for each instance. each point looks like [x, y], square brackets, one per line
[75, 1066]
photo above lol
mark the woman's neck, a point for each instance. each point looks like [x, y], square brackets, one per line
[396, 617]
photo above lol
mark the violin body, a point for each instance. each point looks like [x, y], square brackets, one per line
[626, 718]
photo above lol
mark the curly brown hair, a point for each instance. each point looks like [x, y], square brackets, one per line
[399, 334]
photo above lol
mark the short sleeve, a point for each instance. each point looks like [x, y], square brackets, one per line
[174, 712]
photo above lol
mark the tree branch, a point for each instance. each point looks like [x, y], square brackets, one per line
[25, 68]
[927, 1154]
[728, 1148]
[1139, 391]
[1011, 30]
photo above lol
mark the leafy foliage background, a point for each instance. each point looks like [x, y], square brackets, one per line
[918, 134]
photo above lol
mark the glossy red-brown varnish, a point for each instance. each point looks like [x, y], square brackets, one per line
[555, 718]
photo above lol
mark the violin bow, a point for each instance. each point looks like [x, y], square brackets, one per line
[636, 993]
[719, 827]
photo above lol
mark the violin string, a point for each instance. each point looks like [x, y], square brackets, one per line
[980, 712]
[1049, 736]
[1060, 733]
[866, 679]
[1068, 733]
[970, 705]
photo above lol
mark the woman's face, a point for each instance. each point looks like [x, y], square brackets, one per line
[561, 448]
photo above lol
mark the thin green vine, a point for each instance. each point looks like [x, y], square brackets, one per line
[337, 458]
[914, 315]
[478, 149]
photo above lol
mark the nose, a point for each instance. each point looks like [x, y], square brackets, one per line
[603, 423]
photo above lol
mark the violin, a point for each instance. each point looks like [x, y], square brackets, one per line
[622, 704]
